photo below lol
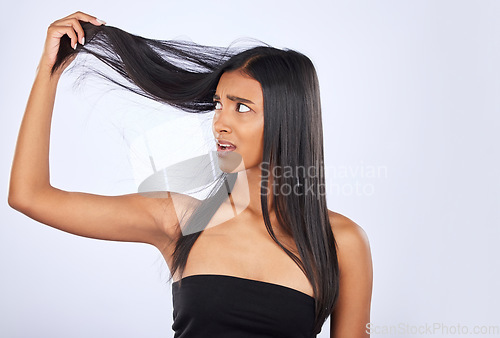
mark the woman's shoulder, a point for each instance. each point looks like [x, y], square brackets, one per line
[349, 236]
[352, 311]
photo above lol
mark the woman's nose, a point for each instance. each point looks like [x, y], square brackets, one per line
[221, 122]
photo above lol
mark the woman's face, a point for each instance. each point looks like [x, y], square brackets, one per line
[238, 121]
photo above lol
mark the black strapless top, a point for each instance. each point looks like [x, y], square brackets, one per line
[222, 306]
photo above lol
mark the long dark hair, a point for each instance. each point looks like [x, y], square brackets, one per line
[185, 75]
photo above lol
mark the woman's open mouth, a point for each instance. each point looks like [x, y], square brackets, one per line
[224, 147]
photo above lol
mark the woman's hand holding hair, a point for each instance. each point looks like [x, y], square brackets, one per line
[71, 27]
[132, 217]
[30, 168]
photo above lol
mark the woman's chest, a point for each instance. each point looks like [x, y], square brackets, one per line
[242, 251]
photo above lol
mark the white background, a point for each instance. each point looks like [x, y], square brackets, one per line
[410, 88]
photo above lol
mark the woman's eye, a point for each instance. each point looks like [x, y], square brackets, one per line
[242, 108]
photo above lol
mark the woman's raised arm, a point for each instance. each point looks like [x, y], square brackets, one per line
[133, 217]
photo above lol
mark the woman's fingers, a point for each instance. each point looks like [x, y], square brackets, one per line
[85, 17]
[74, 21]
[71, 26]
[58, 31]
[77, 27]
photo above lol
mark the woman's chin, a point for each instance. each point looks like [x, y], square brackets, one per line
[230, 161]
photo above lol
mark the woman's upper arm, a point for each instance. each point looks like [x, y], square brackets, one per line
[145, 218]
[352, 311]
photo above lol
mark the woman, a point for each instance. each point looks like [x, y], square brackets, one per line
[287, 260]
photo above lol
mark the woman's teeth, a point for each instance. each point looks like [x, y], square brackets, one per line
[226, 147]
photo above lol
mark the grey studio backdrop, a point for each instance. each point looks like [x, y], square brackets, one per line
[410, 96]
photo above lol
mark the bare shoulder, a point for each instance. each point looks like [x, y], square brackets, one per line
[352, 311]
[348, 233]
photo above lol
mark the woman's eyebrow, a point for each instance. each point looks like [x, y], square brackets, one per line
[234, 98]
